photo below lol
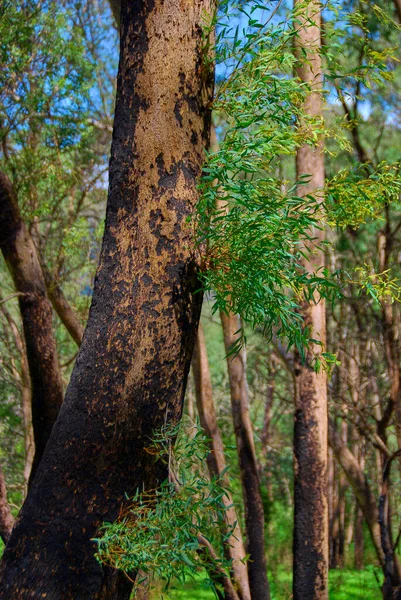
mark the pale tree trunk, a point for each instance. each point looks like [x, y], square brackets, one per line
[265, 437]
[254, 512]
[361, 488]
[6, 518]
[22, 261]
[310, 434]
[130, 375]
[216, 461]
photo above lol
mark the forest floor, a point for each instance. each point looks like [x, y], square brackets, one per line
[344, 585]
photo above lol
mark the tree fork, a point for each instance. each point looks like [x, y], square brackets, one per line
[131, 371]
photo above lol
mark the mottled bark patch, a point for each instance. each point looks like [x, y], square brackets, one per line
[131, 371]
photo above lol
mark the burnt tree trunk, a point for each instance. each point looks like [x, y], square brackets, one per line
[130, 375]
[254, 512]
[216, 462]
[36, 312]
[310, 434]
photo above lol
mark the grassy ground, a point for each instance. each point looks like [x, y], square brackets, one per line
[344, 585]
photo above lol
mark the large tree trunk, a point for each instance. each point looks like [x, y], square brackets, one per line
[254, 512]
[216, 461]
[130, 375]
[36, 312]
[310, 435]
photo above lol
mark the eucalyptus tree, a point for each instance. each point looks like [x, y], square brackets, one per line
[310, 433]
[130, 375]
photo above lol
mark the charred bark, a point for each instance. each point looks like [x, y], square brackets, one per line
[22, 261]
[130, 375]
[216, 462]
[254, 512]
[310, 433]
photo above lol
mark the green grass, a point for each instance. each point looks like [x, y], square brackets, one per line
[344, 585]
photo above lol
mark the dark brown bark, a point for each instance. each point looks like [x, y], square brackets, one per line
[392, 569]
[254, 512]
[6, 517]
[216, 461]
[310, 434]
[130, 375]
[22, 261]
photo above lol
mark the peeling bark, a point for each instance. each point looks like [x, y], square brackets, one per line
[22, 261]
[310, 433]
[130, 375]
[254, 512]
[216, 461]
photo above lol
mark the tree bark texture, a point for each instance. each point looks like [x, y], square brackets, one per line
[310, 434]
[216, 461]
[254, 512]
[130, 375]
[36, 312]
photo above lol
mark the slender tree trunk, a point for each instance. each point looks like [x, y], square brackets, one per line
[216, 460]
[254, 512]
[310, 435]
[6, 518]
[26, 398]
[266, 431]
[62, 307]
[392, 569]
[363, 493]
[358, 541]
[131, 371]
[20, 255]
